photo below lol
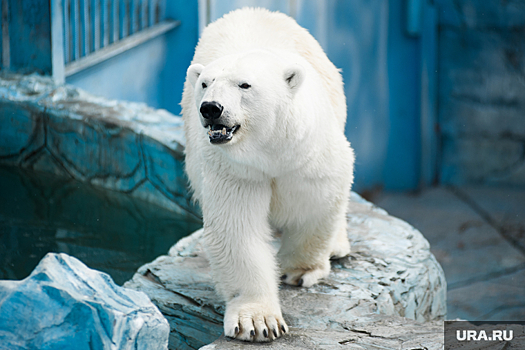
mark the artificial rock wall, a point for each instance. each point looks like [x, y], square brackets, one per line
[120, 146]
[482, 91]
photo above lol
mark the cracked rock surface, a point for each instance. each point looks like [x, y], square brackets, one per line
[390, 293]
[370, 332]
[65, 305]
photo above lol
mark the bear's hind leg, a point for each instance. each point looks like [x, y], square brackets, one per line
[304, 256]
[340, 244]
[307, 246]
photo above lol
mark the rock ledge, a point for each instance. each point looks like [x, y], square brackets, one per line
[382, 294]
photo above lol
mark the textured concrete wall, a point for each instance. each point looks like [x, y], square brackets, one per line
[482, 91]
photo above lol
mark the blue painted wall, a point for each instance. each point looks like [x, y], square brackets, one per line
[135, 75]
[402, 161]
[29, 44]
[381, 66]
[482, 92]
[357, 35]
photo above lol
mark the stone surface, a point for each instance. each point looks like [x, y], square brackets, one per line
[390, 272]
[493, 299]
[63, 304]
[484, 270]
[369, 332]
[503, 208]
[459, 237]
[121, 146]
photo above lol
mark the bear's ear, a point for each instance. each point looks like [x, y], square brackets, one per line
[294, 76]
[193, 73]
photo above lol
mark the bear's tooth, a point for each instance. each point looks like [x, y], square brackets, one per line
[223, 131]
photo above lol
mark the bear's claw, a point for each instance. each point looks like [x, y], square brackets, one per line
[253, 322]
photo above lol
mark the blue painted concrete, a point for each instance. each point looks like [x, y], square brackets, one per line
[381, 67]
[358, 45]
[402, 163]
[180, 46]
[135, 75]
[30, 36]
[120, 146]
[481, 92]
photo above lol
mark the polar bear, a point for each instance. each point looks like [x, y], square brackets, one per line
[264, 115]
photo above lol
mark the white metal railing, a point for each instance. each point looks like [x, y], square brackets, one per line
[95, 30]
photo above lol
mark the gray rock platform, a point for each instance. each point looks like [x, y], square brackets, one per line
[389, 282]
[65, 305]
[369, 332]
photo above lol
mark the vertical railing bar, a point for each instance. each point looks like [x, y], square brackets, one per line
[86, 28]
[106, 10]
[95, 24]
[135, 16]
[67, 41]
[124, 19]
[138, 14]
[90, 25]
[131, 16]
[151, 12]
[82, 27]
[138, 8]
[143, 14]
[71, 23]
[162, 12]
[115, 15]
[76, 29]
[146, 13]
[157, 11]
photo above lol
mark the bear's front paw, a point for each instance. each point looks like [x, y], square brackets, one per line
[254, 321]
[305, 277]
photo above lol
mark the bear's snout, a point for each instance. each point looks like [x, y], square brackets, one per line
[211, 110]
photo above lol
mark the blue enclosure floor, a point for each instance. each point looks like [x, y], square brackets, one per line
[478, 236]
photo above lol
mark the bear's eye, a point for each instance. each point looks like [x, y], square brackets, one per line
[245, 86]
[204, 86]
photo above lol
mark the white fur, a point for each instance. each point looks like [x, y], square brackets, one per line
[288, 168]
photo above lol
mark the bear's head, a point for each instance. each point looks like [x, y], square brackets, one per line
[241, 94]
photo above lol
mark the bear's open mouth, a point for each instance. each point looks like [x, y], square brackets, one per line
[219, 133]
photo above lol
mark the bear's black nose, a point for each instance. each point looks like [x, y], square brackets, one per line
[211, 110]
